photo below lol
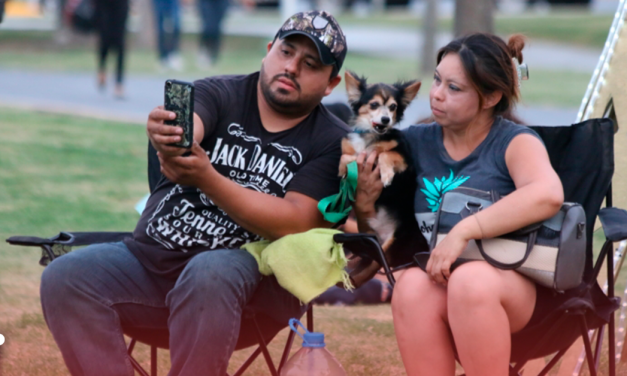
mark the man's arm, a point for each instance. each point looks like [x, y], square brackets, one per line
[269, 216]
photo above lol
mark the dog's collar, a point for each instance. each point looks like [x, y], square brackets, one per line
[360, 131]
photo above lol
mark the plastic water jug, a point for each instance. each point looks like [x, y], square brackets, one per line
[313, 359]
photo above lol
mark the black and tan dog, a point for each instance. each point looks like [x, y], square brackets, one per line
[377, 108]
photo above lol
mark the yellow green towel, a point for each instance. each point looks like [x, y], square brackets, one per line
[304, 264]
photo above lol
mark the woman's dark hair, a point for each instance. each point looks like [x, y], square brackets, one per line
[488, 63]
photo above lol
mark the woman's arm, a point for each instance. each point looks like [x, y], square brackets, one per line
[538, 196]
[539, 193]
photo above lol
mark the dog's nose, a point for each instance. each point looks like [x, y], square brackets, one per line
[385, 120]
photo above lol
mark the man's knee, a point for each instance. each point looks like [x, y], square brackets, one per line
[220, 271]
[59, 278]
[69, 276]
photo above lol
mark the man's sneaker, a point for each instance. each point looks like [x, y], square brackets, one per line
[175, 62]
[204, 60]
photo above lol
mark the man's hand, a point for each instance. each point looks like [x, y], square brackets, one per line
[191, 170]
[369, 185]
[161, 135]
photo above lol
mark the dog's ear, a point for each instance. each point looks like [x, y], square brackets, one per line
[408, 91]
[355, 86]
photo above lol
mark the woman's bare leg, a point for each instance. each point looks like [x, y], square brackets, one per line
[486, 305]
[420, 323]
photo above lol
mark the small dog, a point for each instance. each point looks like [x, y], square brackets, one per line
[377, 108]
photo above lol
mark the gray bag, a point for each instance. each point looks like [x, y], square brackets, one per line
[551, 253]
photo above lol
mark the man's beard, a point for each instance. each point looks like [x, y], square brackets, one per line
[293, 107]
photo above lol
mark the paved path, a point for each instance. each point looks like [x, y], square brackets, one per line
[76, 93]
[401, 42]
[379, 41]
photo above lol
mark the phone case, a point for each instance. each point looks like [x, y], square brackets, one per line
[179, 98]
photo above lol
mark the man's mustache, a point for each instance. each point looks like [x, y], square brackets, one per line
[288, 77]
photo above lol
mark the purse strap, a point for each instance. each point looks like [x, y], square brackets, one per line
[531, 231]
[531, 241]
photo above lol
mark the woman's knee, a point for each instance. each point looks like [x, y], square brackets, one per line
[473, 284]
[414, 291]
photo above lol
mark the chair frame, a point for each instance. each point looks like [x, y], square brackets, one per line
[68, 239]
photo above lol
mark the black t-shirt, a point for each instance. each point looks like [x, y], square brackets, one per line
[180, 221]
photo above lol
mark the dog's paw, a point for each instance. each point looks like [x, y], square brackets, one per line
[386, 177]
[344, 161]
[342, 170]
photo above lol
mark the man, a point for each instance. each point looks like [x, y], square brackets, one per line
[265, 152]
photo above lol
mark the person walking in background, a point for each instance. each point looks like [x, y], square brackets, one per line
[111, 16]
[168, 23]
[211, 13]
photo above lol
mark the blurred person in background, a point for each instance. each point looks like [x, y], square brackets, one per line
[168, 23]
[1, 9]
[111, 16]
[211, 13]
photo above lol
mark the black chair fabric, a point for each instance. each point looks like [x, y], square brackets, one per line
[583, 156]
[614, 221]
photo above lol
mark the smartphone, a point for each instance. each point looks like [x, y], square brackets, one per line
[179, 98]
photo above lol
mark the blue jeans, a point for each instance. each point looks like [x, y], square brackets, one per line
[92, 295]
[212, 13]
[168, 22]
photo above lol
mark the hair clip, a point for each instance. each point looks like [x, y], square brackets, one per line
[522, 70]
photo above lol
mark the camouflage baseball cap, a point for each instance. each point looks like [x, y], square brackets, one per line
[323, 30]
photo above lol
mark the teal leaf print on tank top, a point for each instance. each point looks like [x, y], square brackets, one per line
[434, 191]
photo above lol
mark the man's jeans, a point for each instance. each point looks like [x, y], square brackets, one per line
[89, 295]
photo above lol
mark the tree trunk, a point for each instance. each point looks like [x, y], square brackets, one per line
[429, 32]
[474, 16]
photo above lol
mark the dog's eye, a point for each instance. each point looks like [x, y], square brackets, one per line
[374, 105]
[392, 107]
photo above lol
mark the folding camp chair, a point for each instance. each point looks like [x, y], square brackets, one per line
[583, 156]
[251, 332]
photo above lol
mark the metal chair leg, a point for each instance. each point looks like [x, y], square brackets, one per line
[264, 349]
[134, 363]
[248, 362]
[586, 342]
[153, 360]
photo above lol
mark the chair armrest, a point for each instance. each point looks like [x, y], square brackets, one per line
[367, 247]
[363, 245]
[614, 222]
[70, 239]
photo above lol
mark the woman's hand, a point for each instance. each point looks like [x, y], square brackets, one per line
[369, 185]
[449, 249]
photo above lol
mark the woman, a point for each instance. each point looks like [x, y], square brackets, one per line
[111, 17]
[474, 310]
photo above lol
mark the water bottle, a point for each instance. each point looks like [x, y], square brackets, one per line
[313, 359]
